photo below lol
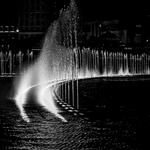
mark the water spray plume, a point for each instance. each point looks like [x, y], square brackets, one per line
[49, 69]
[61, 61]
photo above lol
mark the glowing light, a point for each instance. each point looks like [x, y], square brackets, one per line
[17, 30]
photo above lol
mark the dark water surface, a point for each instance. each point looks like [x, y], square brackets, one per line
[117, 115]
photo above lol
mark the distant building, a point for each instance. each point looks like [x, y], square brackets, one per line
[92, 28]
[8, 37]
[99, 32]
[111, 31]
[33, 21]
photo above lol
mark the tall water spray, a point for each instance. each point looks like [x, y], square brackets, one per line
[56, 63]
[61, 61]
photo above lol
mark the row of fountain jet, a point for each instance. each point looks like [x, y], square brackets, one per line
[13, 63]
[90, 63]
[104, 62]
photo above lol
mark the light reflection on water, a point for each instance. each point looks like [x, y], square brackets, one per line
[52, 133]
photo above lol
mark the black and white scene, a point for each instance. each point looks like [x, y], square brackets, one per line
[74, 75]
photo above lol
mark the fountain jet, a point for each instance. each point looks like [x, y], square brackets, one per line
[61, 61]
[53, 65]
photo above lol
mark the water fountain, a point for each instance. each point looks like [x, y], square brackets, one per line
[62, 63]
[105, 63]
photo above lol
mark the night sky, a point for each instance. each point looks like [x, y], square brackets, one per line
[89, 10]
[8, 12]
[101, 9]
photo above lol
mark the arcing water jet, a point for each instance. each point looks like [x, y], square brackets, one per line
[60, 60]
[54, 64]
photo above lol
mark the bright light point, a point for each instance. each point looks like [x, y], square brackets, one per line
[17, 30]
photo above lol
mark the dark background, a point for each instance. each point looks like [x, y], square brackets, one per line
[93, 9]
[133, 18]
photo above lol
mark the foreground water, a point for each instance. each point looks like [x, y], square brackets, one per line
[100, 128]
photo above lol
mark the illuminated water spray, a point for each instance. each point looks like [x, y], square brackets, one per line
[54, 64]
[61, 64]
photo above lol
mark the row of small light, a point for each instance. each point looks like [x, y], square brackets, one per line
[8, 29]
